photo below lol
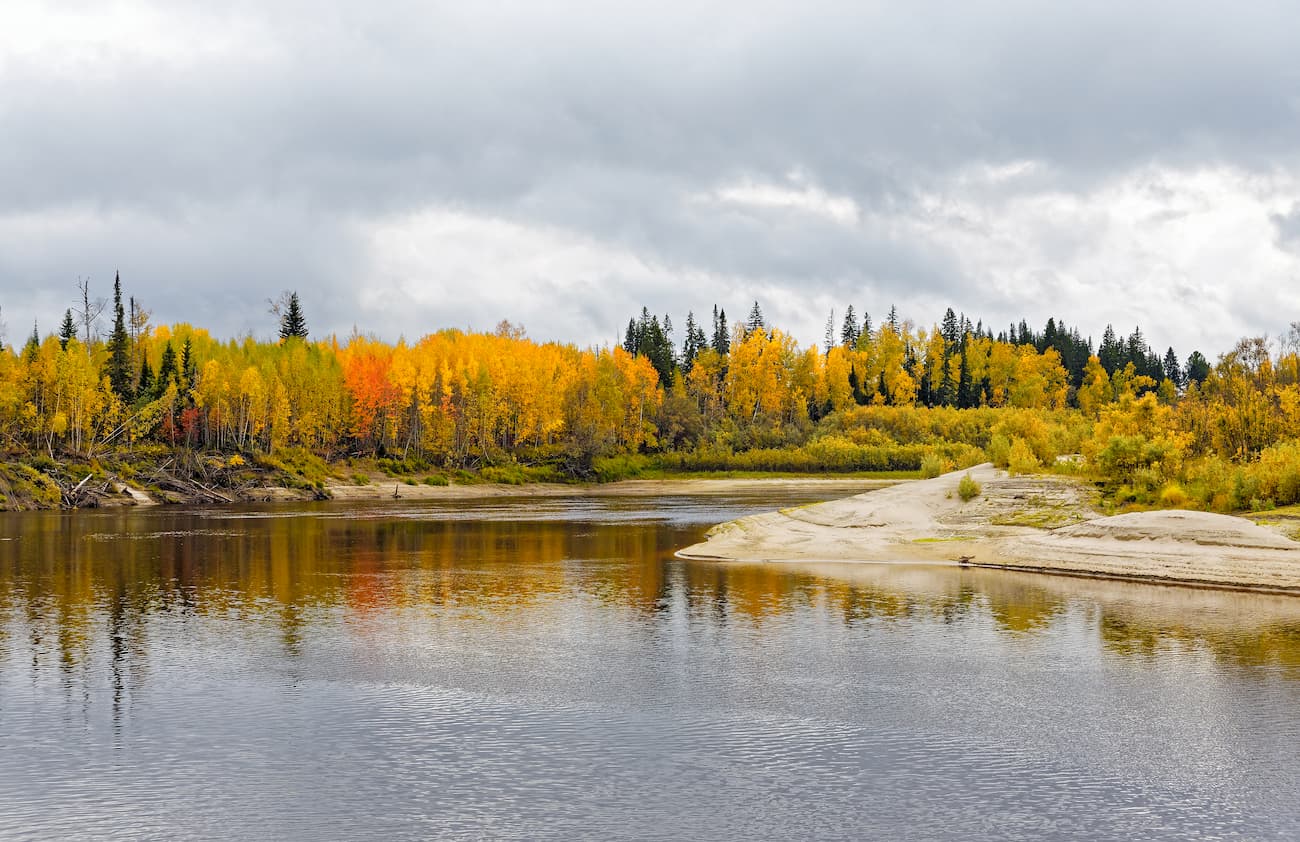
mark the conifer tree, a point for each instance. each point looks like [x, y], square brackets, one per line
[755, 320]
[701, 341]
[67, 330]
[189, 374]
[1111, 352]
[951, 333]
[145, 389]
[1198, 368]
[849, 332]
[292, 323]
[692, 344]
[119, 370]
[1172, 370]
[629, 337]
[33, 344]
[721, 336]
[167, 373]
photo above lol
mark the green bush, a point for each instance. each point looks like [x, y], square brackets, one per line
[435, 479]
[968, 489]
[513, 473]
[402, 467]
[622, 466]
[360, 479]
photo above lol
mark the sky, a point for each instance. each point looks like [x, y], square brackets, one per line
[411, 166]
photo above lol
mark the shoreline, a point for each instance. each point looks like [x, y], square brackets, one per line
[117, 493]
[1039, 524]
[618, 488]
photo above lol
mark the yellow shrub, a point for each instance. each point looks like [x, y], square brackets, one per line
[1172, 496]
[1021, 458]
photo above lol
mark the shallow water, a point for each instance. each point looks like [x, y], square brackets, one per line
[533, 669]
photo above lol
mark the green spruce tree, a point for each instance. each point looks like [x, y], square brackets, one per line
[120, 375]
[189, 373]
[721, 336]
[167, 373]
[292, 323]
[146, 388]
[67, 330]
[33, 345]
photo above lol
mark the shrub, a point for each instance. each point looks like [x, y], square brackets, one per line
[1021, 459]
[931, 466]
[1172, 496]
[435, 479]
[621, 466]
[968, 489]
[504, 474]
[999, 450]
[360, 479]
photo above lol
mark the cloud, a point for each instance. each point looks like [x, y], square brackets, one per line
[578, 160]
[1287, 225]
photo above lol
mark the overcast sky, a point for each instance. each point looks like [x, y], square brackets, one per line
[408, 166]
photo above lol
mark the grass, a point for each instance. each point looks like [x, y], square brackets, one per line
[1051, 517]
[24, 487]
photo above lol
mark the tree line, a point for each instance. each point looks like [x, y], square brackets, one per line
[953, 363]
[873, 395]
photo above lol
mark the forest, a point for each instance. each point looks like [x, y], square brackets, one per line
[893, 396]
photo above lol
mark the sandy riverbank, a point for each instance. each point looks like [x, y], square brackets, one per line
[1039, 524]
[384, 488]
[625, 488]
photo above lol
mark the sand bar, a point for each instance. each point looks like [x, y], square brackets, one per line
[1037, 524]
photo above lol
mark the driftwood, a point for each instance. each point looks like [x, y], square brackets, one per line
[188, 488]
[73, 497]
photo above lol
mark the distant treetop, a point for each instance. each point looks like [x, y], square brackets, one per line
[292, 321]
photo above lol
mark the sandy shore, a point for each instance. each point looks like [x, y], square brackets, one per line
[1037, 524]
[384, 488]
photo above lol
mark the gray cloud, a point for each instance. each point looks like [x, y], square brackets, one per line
[1288, 228]
[218, 156]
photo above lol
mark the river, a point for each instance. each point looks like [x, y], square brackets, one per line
[523, 668]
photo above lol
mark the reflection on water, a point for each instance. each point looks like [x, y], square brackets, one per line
[527, 668]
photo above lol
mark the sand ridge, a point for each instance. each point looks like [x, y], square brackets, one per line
[1039, 524]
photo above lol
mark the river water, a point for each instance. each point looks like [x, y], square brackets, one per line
[544, 669]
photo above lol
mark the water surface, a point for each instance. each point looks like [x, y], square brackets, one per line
[543, 668]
